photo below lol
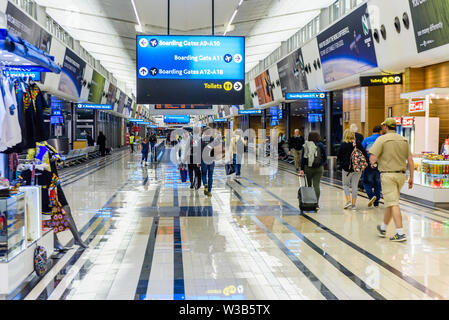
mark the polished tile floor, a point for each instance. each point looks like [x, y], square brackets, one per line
[151, 237]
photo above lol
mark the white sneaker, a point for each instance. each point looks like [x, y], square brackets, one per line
[347, 205]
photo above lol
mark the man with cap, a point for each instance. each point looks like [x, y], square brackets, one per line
[391, 152]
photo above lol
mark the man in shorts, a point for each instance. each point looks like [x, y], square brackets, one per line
[392, 152]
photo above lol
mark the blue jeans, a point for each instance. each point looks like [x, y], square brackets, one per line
[145, 156]
[237, 161]
[207, 173]
[371, 180]
[153, 156]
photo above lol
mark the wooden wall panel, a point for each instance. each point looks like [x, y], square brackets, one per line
[375, 109]
[296, 123]
[352, 103]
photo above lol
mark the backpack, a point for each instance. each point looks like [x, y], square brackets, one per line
[318, 160]
[40, 260]
[358, 160]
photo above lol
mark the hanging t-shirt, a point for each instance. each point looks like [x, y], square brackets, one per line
[12, 133]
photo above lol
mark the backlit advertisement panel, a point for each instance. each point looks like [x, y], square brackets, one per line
[292, 73]
[430, 22]
[347, 48]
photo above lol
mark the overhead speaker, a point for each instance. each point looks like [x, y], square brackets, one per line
[278, 82]
[406, 20]
[397, 25]
[318, 63]
[315, 65]
[383, 32]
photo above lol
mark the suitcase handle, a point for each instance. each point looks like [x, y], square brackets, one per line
[305, 181]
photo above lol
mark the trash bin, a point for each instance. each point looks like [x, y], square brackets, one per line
[332, 163]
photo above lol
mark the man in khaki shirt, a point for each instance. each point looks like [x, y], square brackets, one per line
[392, 152]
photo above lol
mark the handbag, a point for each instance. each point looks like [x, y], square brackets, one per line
[40, 260]
[230, 169]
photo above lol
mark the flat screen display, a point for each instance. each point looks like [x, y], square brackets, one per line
[177, 119]
[315, 117]
[347, 48]
[190, 69]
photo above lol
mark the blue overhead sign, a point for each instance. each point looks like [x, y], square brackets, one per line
[33, 75]
[304, 95]
[258, 111]
[177, 119]
[221, 120]
[94, 106]
[190, 69]
[135, 120]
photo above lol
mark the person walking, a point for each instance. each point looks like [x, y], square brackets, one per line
[208, 144]
[153, 141]
[371, 175]
[313, 159]
[392, 153]
[295, 145]
[194, 163]
[101, 141]
[131, 142]
[350, 177]
[237, 151]
[145, 151]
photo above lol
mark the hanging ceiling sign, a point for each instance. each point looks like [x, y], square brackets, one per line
[250, 112]
[387, 80]
[94, 106]
[304, 95]
[190, 69]
[417, 106]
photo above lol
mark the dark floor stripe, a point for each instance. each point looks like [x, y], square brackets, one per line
[178, 285]
[144, 278]
[370, 256]
[299, 265]
[359, 282]
[156, 196]
[175, 194]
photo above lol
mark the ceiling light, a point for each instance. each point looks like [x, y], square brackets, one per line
[135, 11]
[230, 21]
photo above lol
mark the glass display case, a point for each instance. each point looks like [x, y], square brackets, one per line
[435, 174]
[12, 226]
[432, 173]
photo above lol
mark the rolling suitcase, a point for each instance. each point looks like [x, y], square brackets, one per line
[306, 196]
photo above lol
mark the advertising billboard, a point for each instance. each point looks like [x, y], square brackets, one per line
[292, 73]
[430, 22]
[112, 94]
[263, 88]
[71, 81]
[21, 25]
[347, 48]
[97, 87]
[190, 69]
